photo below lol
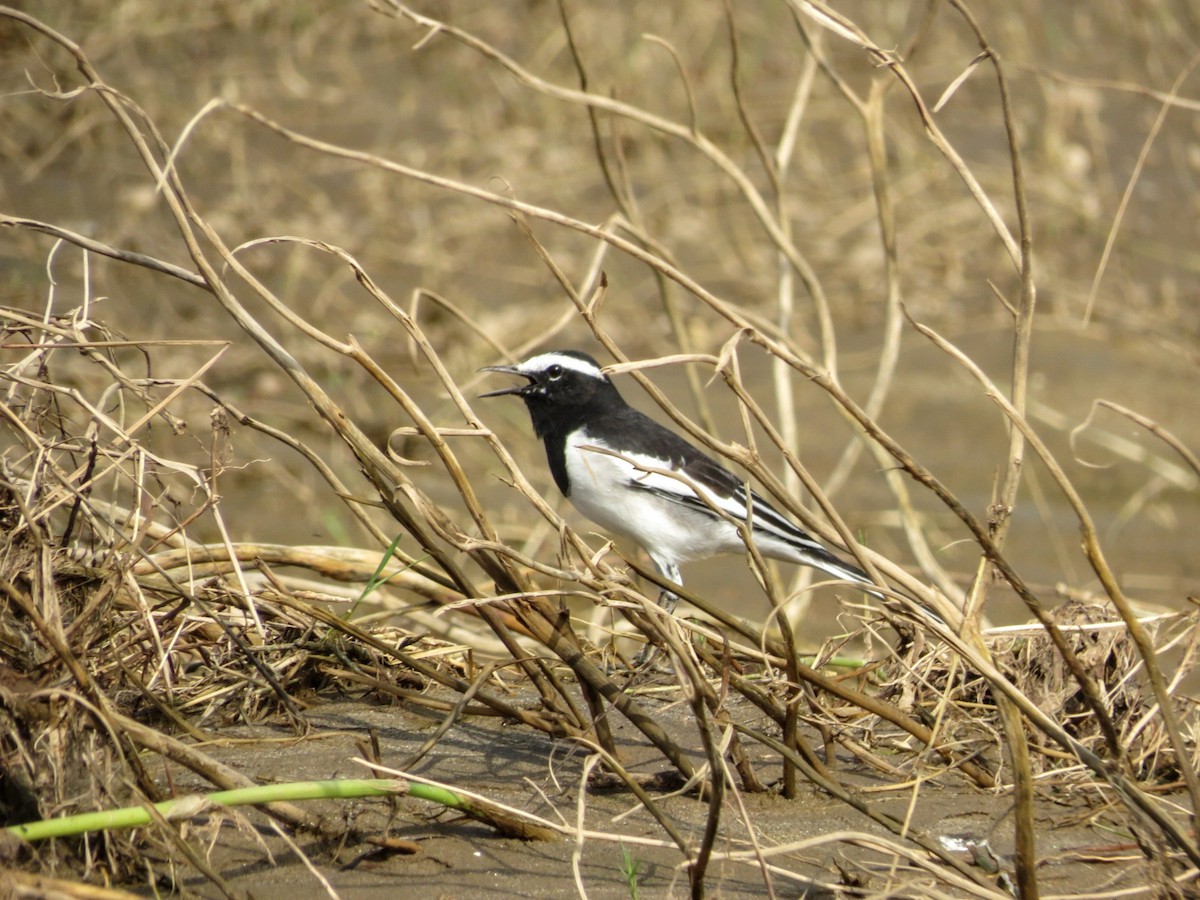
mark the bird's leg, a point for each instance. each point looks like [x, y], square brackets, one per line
[645, 655]
[667, 599]
[668, 569]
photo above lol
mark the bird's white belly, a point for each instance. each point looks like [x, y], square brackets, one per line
[600, 490]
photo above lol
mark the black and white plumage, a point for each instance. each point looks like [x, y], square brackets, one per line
[638, 480]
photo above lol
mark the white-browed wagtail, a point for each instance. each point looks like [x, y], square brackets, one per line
[638, 480]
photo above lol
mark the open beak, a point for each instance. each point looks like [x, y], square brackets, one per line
[518, 390]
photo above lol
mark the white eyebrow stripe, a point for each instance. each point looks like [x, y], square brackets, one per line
[545, 360]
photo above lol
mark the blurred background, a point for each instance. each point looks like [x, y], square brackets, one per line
[1107, 110]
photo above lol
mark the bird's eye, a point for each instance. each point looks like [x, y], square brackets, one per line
[555, 372]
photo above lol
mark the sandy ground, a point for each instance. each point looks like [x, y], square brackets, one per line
[461, 858]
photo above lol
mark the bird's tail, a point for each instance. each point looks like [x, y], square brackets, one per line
[838, 568]
[810, 553]
[778, 537]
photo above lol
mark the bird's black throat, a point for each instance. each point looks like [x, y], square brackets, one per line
[553, 423]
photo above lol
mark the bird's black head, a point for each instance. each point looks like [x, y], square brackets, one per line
[563, 388]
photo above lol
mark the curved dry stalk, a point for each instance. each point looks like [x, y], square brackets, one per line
[698, 141]
[1010, 483]
[1135, 799]
[843, 27]
[336, 562]
[1167, 101]
[94, 246]
[1099, 564]
[1155, 429]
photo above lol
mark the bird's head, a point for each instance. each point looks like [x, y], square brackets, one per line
[560, 382]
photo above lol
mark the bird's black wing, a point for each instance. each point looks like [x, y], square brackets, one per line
[723, 489]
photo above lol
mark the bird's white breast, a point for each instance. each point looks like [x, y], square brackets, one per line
[605, 488]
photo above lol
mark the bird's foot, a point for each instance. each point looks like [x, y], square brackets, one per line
[668, 601]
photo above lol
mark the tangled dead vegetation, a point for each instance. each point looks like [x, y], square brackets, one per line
[149, 602]
[1109, 658]
[125, 636]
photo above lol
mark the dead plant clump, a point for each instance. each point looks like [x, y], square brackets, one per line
[1107, 654]
[1027, 655]
[121, 633]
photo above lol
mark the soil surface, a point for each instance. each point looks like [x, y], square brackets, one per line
[459, 857]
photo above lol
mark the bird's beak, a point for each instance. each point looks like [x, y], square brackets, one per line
[518, 390]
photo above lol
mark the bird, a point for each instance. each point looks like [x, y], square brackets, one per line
[639, 480]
